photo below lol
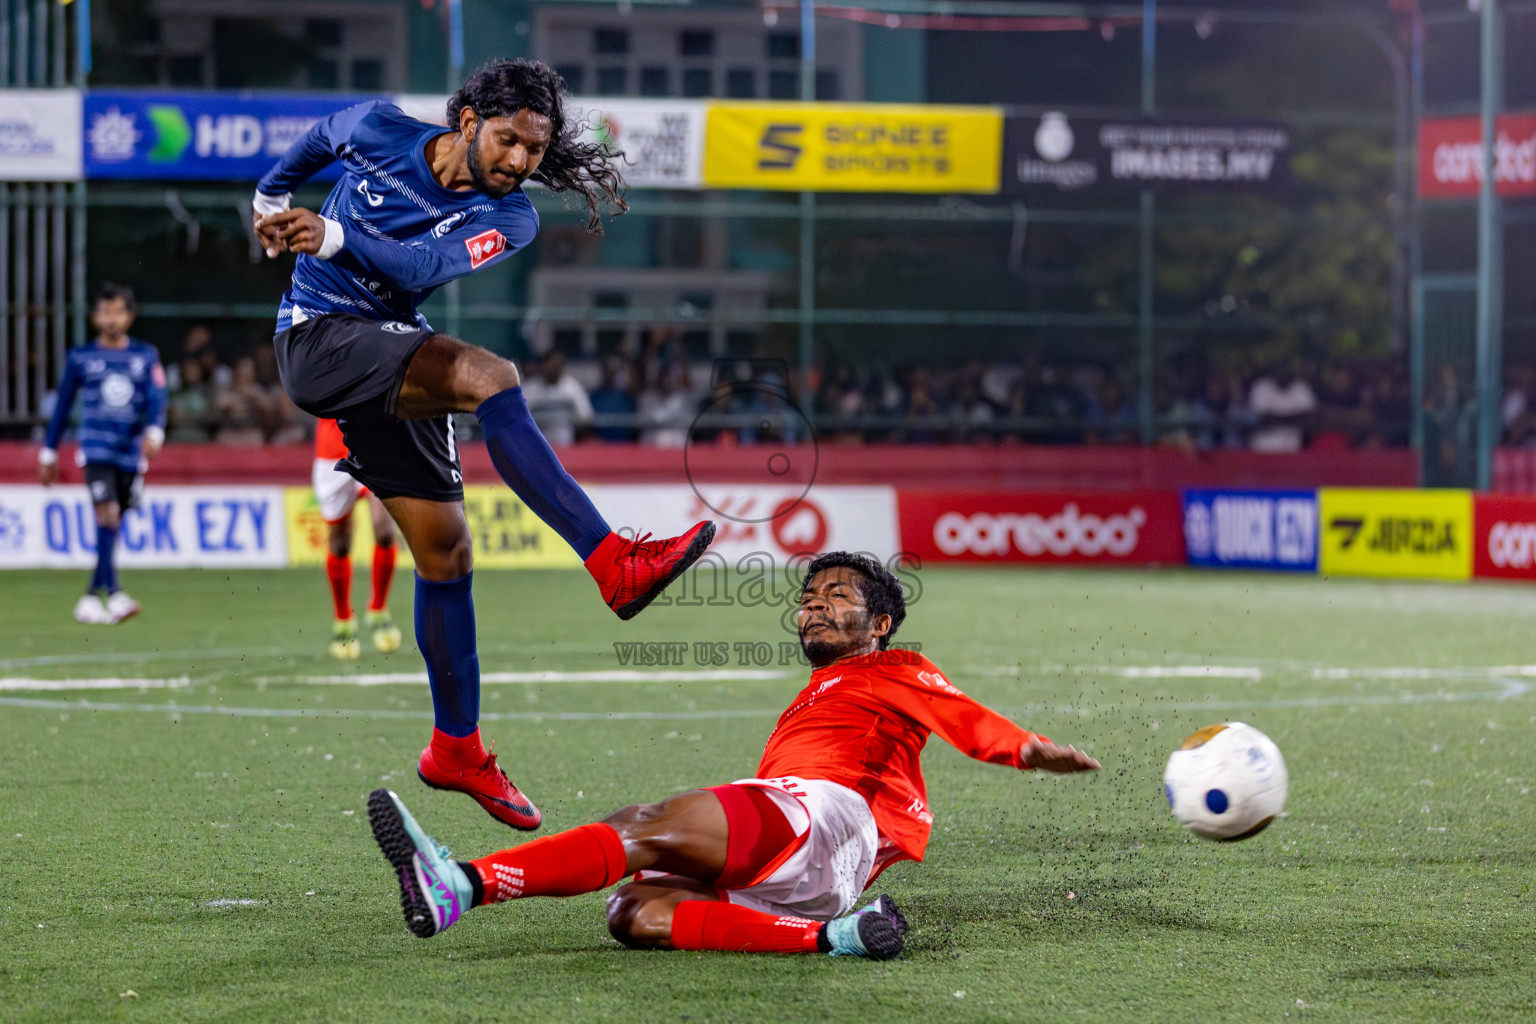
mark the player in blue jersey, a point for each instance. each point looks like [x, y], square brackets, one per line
[121, 387]
[417, 206]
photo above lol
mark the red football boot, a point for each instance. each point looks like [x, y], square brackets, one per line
[630, 573]
[483, 780]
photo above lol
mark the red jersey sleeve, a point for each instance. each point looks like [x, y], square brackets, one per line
[922, 693]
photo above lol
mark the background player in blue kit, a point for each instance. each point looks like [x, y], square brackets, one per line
[417, 206]
[121, 387]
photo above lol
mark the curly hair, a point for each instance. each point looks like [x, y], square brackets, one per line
[879, 586]
[503, 87]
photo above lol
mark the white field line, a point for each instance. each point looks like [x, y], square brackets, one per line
[189, 654]
[1508, 689]
[603, 676]
[235, 903]
[16, 683]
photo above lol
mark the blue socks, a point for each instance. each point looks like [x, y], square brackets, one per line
[445, 632]
[529, 466]
[105, 576]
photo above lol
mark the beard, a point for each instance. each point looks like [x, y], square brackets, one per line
[477, 175]
[825, 652]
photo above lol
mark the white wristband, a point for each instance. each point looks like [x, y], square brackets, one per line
[335, 238]
[47, 457]
[268, 205]
[154, 434]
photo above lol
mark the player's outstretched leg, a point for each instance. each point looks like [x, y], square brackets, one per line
[630, 572]
[434, 890]
[672, 913]
[457, 759]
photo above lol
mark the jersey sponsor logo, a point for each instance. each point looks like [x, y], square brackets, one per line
[397, 327]
[116, 390]
[935, 681]
[373, 200]
[483, 247]
[446, 225]
[1067, 532]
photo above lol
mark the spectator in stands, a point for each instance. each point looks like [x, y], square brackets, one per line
[1517, 414]
[189, 414]
[1055, 402]
[245, 410]
[972, 411]
[1342, 417]
[1450, 427]
[922, 405]
[664, 407]
[556, 400]
[1110, 416]
[197, 347]
[615, 397]
[1283, 404]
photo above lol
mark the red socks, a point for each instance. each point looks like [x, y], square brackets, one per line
[457, 751]
[700, 924]
[582, 860]
[338, 569]
[383, 575]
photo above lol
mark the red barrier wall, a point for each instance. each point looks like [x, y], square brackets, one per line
[918, 467]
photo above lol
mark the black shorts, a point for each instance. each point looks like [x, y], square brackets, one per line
[350, 369]
[113, 483]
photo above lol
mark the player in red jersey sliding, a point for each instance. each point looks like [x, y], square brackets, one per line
[336, 494]
[776, 862]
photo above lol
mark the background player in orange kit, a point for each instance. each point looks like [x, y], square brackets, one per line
[772, 863]
[336, 493]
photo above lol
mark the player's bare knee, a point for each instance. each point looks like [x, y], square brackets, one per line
[490, 374]
[443, 559]
[108, 514]
[634, 921]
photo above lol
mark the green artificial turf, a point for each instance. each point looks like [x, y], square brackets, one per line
[1398, 887]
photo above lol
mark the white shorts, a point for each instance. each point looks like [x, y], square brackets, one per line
[335, 491]
[824, 877]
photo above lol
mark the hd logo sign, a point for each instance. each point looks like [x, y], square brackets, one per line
[1425, 534]
[868, 148]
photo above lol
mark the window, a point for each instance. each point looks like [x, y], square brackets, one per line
[655, 81]
[185, 70]
[828, 86]
[784, 44]
[612, 81]
[608, 41]
[696, 42]
[322, 32]
[323, 74]
[368, 74]
[697, 82]
[575, 76]
[741, 83]
[783, 85]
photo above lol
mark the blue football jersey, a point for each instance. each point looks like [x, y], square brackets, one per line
[121, 392]
[405, 233]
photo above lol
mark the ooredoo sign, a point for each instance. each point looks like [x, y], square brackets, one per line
[1504, 536]
[958, 526]
[1451, 156]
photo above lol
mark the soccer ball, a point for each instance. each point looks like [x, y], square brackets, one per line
[1226, 782]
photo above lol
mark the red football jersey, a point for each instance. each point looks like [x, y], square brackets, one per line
[862, 723]
[328, 442]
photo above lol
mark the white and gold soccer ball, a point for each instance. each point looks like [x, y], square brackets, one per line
[1226, 782]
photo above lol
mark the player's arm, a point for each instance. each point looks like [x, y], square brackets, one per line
[975, 729]
[155, 410]
[48, 457]
[318, 148]
[417, 265]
